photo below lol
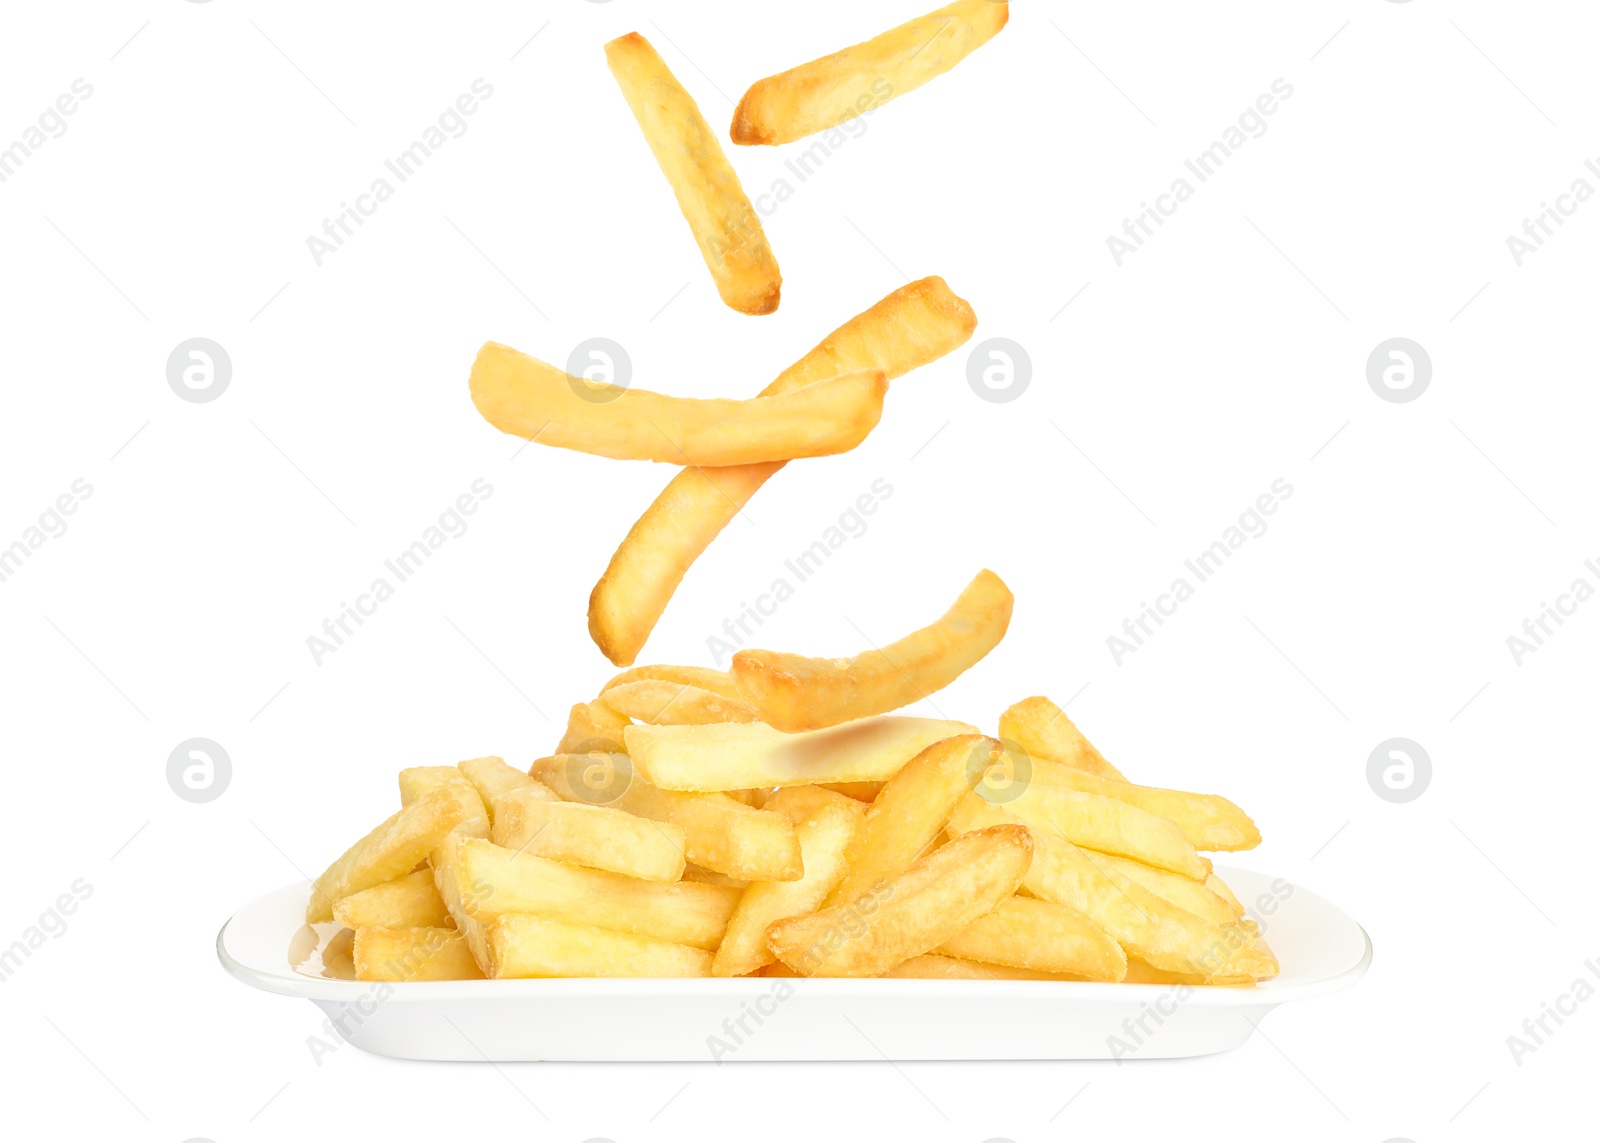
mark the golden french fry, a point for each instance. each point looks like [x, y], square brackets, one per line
[794, 692]
[824, 832]
[522, 945]
[702, 876]
[599, 837]
[495, 782]
[454, 890]
[829, 91]
[505, 881]
[912, 808]
[409, 902]
[719, 833]
[1185, 892]
[1141, 973]
[1043, 730]
[675, 704]
[910, 327]
[705, 678]
[1025, 933]
[911, 914]
[1220, 887]
[1207, 820]
[411, 954]
[936, 966]
[797, 803]
[593, 727]
[416, 781]
[1146, 925]
[858, 791]
[749, 755]
[725, 225]
[523, 396]
[390, 851]
[1109, 826]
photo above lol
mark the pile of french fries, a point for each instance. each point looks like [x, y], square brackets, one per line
[776, 820]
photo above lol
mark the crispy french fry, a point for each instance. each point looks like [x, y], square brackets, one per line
[748, 755]
[911, 914]
[824, 832]
[720, 833]
[675, 704]
[1109, 826]
[391, 850]
[593, 727]
[412, 954]
[794, 692]
[522, 945]
[910, 327]
[858, 791]
[495, 782]
[416, 781]
[409, 902]
[936, 966]
[829, 91]
[455, 890]
[797, 803]
[1043, 730]
[525, 397]
[912, 808]
[1025, 933]
[1220, 887]
[508, 882]
[599, 837]
[1207, 820]
[1146, 925]
[725, 225]
[1185, 892]
[705, 678]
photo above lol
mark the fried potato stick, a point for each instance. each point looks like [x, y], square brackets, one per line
[828, 91]
[725, 225]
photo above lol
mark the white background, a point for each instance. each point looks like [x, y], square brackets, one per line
[1230, 351]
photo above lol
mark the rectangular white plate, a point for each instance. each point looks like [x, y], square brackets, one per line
[1320, 949]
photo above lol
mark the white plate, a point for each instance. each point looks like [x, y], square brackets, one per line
[1320, 949]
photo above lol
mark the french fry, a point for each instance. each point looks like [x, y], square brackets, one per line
[936, 966]
[910, 327]
[409, 902]
[521, 945]
[797, 803]
[675, 704]
[592, 727]
[599, 837]
[748, 755]
[1141, 973]
[1025, 933]
[829, 91]
[416, 781]
[412, 954]
[1147, 926]
[725, 225]
[496, 782]
[525, 397]
[824, 831]
[390, 851]
[1207, 820]
[702, 876]
[508, 882]
[705, 678]
[720, 833]
[911, 914]
[794, 692]
[1108, 826]
[1185, 892]
[859, 791]
[1220, 887]
[1043, 730]
[912, 808]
